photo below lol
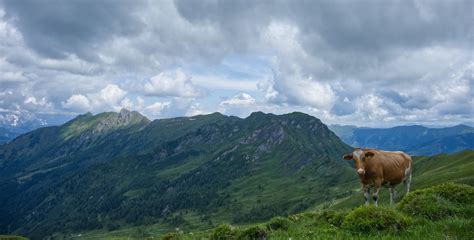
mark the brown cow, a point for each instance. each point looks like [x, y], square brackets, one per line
[378, 168]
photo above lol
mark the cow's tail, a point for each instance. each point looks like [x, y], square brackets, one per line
[408, 174]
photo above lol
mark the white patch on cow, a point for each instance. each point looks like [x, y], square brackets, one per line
[360, 171]
[357, 153]
[394, 151]
[407, 171]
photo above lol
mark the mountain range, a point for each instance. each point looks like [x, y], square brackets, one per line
[111, 170]
[416, 140]
[116, 170]
[15, 123]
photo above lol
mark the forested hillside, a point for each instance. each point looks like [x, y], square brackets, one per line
[440, 206]
[114, 170]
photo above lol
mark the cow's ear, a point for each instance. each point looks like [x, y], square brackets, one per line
[369, 154]
[348, 157]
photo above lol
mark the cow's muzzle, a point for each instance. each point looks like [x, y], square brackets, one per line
[361, 171]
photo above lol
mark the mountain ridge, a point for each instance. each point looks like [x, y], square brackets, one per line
[136, 171]
[16, 122]
[406, 138]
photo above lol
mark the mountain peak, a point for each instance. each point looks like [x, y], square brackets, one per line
[127, 115]
[124, 111]
[257, 114]
[298, 115]
[103, 122]
[121, 119]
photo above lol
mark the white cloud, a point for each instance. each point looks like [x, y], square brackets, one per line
[34, 101]
[241, 99]
[195, 109]
[217, 82]
[371, 107]
[109, 98]
[12, 77]
[111, 94]
[156, 109]
[241, 105]
[38, 105]
[172, 84]
[294, 81]
[77, 103]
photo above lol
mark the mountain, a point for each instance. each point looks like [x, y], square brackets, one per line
[113, 170]
[413, 139]
[449, 144]
[15, 123]
[7, 134]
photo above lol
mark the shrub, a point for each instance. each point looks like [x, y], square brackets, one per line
[306, 215]
[224, 231]
[278, 223]
[332, 217]
[110, 226]
[370, 219]
[428, 205]
[253, 233]
[171, 236]
[439, 201]
[459, 193]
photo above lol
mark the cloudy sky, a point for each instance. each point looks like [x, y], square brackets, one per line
[368, 63]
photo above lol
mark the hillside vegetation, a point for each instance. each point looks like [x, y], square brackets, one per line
[443, 211]
[121, 175]
[119, 170]
[437, 208]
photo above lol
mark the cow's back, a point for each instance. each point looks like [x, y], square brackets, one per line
[395, 166]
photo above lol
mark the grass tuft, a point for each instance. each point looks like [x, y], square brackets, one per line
[223, 232]
[279, 223]
[253, 233]
[440, 201]
[370, 219]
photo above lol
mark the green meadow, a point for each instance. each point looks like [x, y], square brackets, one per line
[440, 207]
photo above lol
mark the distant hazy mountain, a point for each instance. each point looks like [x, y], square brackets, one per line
[449, 144]
[14, 123]
[120, 169]
[414, 139]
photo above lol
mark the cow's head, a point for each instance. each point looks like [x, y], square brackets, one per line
[359, 156]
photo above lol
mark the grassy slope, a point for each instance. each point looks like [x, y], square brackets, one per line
[11, 237]
[428, 172]
[457, 167]
[334, 224]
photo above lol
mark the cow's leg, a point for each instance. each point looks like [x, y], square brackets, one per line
[366, 194]
[408, 181]
[376, 196]
[393, 195]
[378, 184]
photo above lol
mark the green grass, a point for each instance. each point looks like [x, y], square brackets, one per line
[308, 226]
[458, 167]
[429, 171]
[279, 195]
[405, 221]
[383, 222]
[12, 237]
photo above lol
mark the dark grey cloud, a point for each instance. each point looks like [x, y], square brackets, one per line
[351, 36]
[56, 28]
[367, 60]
